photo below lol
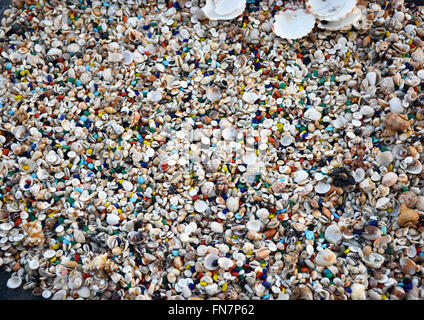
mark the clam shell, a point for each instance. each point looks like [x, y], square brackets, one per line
[223, 9]
[325, 258]
[128, 57]
[322, 187]
[287, 140]
[225, 263]
[333, 234]
[60, 295]
[330, 10]
[254, 225]
[262, 213]
[20, 132]
[343, 23]
[213, 93]
[211, 261]
[14, 282]
[293, 23]
[200, 206]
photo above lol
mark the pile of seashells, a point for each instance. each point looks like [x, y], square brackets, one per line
[182, 150]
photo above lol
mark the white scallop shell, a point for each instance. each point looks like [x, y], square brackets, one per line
[343, 23]
[330, 10]
[293, 23]
[223, 9]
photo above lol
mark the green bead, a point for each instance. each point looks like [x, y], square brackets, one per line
[404, 188]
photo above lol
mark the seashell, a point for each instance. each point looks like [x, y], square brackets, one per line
[395, 122]
[232, 204]
[384, 158]
[278, 186]
[112, 219]
[84, 292]
[208, 189]
[217, 227]
[154, 96]
[14, 282]
[60, 295]
[54, 52]
[358, 292]
[300, 176]
[73, 48]
[223, 10]
[211, 261]
[374, 260]
[312, 114]
[213, 93]
[407, 265]
[409, 198]
[412, 165]
[330, 10]
[333, 234]
[407, 217]
[200, 206]
[325, 258]
[359, 175]
[400, 151]
[302, 292]
[371, 232]
[128, 57]
[20, 132]
[389, 179]
[401, 47]
[293, 23]
[225, 263]
[287, 140]
[342, 23]
[262, 213]
[262, 253]
[420, 203]
[250, 97]
[254, 225]
[396, 105]
[322, 187]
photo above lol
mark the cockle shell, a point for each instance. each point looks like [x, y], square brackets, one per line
[293, 23]
[389, 179]
[225, 263]
[262, 213]
[412, 165]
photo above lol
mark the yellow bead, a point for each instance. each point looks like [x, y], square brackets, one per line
[100, 114]
[25, 167]
[55, 246]
[215, 277]
[90, 151]
[384, 297]
[119, 211]
[347, 251]
[389, 210]
[53, 259]
[107, 204]
[203, 283]
[224, 287]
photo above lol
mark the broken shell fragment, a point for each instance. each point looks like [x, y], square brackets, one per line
[223, 9]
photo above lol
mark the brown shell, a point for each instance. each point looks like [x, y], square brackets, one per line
[407, 217]
[395, 122]
[409, 198]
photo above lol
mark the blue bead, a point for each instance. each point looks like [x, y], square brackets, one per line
[374, 223]
[191, 286]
